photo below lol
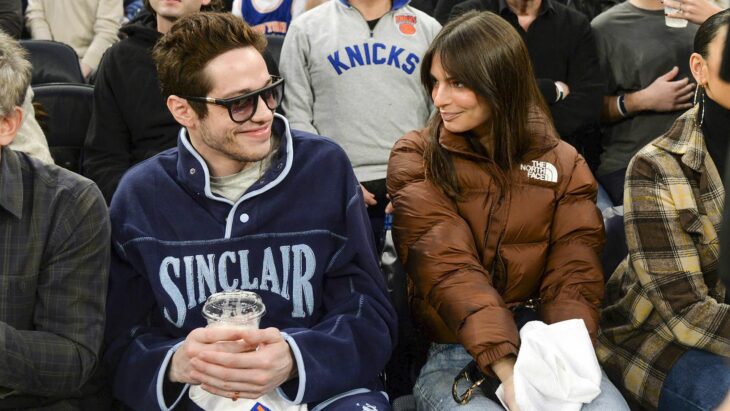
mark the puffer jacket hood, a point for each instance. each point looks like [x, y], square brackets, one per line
[469, 261]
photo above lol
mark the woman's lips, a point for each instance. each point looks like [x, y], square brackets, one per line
[449, 116]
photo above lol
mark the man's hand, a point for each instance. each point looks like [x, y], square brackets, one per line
[663, 94]
[85, 70]
[201, 340]
[248, 370]
[694, 11]
[368, 196]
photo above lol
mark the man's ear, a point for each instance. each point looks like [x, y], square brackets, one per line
[181, 111]
[204, 3]
[9, 125]
[698, 66]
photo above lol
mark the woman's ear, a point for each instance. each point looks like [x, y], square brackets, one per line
[698, 66]
[181, 111]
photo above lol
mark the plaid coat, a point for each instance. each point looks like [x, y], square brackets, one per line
[665, 298]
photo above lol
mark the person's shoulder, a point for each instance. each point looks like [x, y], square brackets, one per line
[139, 177]
[569, 17]
[61, 186]
[315, 147]
[414, 140]
[314, 18]
[608, 18]
[422, 17]
[406, 163]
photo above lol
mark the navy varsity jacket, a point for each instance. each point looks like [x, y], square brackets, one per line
[299, 237]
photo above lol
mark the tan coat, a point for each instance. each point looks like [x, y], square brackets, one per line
[666, 297]
[469, 261]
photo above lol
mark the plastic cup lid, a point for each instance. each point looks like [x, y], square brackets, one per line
[234, 306]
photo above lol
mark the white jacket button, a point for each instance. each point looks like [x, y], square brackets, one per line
[244, 217]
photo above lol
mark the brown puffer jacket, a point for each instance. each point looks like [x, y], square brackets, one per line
[470, 261]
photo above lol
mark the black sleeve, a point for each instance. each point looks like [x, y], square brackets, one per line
[547, 89]
[11, 17]
[582, 107]
[107, 150]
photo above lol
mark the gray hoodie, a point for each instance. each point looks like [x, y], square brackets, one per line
[360, 87]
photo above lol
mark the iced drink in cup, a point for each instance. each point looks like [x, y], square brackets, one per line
[671, 21]
[240, 309]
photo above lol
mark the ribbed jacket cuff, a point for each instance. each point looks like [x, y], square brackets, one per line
[492, 354]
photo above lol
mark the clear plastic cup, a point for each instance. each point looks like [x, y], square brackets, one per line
[240, 309]
[671, 21]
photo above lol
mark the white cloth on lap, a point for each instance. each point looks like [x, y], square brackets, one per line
[556, 368]
[271, 401]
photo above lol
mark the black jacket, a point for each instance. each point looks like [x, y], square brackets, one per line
[131, 121]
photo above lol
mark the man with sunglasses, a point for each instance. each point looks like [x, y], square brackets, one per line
[242, 202]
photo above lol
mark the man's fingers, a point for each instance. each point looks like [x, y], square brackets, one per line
[237, 346]
[266, 336]
[224, 359]
[684, 106]
[211, 335]
[677, 15]
[670, 74]
[672, 4]
[686, 97]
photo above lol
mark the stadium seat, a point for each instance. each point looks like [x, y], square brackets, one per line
[615, 249]
[68, 109]
[53, 62]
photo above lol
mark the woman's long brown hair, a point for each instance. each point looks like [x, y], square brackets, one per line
[487, 55]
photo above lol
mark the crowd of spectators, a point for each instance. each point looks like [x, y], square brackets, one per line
[486, 129]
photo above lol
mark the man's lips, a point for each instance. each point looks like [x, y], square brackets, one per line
[264, 131]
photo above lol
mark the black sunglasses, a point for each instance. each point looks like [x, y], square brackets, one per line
[242, 108]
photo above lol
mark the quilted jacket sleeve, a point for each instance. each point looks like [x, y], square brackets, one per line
[437, 248]
[572, 286]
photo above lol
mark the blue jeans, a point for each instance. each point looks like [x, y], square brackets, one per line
[698, 381]
[433, 387]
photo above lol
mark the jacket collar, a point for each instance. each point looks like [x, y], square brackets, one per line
[11, 183]
[193, 172]
[545, 138]
[684, 138]
[396, 4]
[545, 6]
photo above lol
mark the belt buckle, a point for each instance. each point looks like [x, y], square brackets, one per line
[466, 396]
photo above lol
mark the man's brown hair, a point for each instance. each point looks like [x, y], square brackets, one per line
[193, 41]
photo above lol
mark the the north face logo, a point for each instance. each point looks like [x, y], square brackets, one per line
[541, 170]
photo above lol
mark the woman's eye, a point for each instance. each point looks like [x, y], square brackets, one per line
[457, 84]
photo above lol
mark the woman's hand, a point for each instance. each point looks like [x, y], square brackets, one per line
[505, 368]
[695, 11]
[509, 394]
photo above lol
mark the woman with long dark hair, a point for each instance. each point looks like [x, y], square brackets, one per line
[665, 331]
[494, 216]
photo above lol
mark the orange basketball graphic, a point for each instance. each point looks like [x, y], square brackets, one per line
[407, 28]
